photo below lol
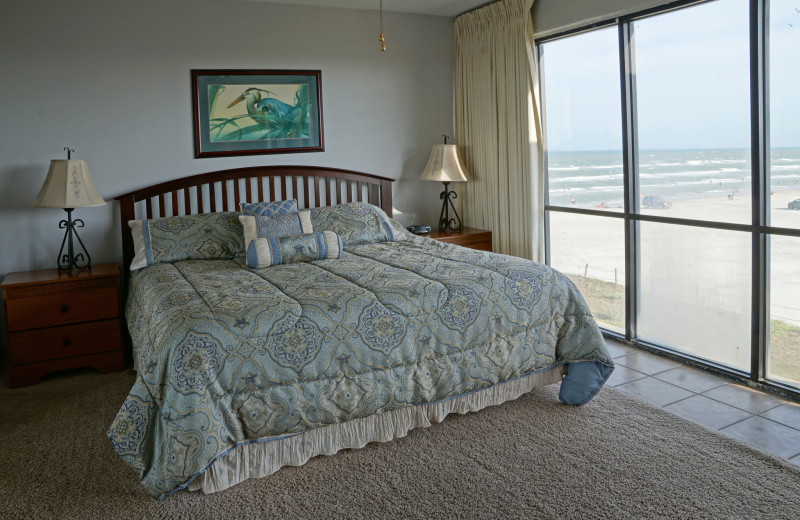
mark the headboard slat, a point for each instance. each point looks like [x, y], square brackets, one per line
[284, 188]
[212, 197]
[299, 181]
[224, 196]
[236, 194]
[187, 202]
[248, 190]
[149, 206]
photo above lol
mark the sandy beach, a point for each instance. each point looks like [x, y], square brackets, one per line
[696, 282]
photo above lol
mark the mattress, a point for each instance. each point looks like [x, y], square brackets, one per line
[230, 356]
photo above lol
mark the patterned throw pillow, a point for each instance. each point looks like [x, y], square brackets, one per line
[356, 223]
[190, 237]
[265, 209]
[265, 252]
[283, 225]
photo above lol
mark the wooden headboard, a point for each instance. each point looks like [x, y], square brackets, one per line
[312, 186]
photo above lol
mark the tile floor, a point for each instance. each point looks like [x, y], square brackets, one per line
[762, 420]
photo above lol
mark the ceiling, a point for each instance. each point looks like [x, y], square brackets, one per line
[451, 8]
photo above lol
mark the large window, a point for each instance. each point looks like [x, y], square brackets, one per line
[672, 155]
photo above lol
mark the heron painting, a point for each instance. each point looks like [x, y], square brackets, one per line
[238, 112]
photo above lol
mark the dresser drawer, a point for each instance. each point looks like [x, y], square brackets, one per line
[61, 308]
[482, 242]
[62, 342]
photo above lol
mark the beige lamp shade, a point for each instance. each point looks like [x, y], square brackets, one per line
[68, 185]
[443, 165]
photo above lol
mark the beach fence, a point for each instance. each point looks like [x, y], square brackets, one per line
[790, 315]
[615, 275]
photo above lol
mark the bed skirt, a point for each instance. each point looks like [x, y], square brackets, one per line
[263, 458]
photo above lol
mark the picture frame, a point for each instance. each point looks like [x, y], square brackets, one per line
[252, 112]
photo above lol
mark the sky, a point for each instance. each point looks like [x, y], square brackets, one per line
[692, 81]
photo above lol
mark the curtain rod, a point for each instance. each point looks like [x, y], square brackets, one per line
[477, 7]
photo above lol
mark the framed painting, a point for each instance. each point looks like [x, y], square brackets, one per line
[244, 112]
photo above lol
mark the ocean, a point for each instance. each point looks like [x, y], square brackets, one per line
[594, 178]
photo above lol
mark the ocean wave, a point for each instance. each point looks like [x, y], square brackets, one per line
[657, 165]
[674, 175]
[711, 181]
[590, 189]
[687, 173]
[612, 177]
[697, 162]
[555, 179]
[604, 167]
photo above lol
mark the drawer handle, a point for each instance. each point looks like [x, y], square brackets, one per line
[67, 342]
[64, 308]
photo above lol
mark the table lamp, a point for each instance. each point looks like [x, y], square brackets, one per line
[68, 185]
[444, 166]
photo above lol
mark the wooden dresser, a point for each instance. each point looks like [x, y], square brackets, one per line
[467, 237]
[56, 321]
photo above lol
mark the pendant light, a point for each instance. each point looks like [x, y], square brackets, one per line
[380, 38]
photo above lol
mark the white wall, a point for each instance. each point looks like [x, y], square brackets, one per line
[111, 79]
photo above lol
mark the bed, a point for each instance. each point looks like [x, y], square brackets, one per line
[242, 370]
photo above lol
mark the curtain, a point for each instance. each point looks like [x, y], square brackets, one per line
[498, 127]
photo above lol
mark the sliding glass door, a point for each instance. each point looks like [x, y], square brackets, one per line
[673, 163]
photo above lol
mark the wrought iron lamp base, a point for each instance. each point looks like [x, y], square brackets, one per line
[445, 221]
[69, 260]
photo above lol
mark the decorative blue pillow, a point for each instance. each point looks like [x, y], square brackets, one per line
[189, 237]
[356, 223]
[266, 252]
[265, 209]
[284, 225]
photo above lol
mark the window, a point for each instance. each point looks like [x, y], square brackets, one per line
[695, 291]
[693, 105]
[584, 138]
[591, 251]
[672, 158]
[584, 162]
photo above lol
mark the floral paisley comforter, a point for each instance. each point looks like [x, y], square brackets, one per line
[228, 354]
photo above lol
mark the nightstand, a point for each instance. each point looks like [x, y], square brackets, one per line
[467, 237]
[56, 321]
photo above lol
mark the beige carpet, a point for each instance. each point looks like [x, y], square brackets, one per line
[616, 457]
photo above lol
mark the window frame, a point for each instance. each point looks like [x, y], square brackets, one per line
[759, 228]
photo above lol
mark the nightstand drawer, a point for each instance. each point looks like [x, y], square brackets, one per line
[61, 308]
[62, 342]
[468, 237]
